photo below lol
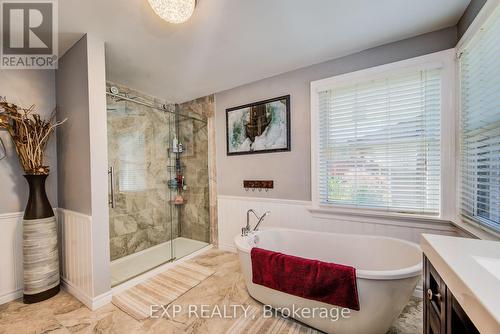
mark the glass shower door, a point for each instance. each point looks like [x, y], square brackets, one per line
[194, 213]
[141, 213]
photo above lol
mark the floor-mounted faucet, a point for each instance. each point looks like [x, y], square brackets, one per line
[245, 230]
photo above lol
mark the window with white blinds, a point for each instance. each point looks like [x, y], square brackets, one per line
[480, 124]
[132, 162]
[379, 143]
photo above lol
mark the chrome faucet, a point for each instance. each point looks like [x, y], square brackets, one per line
[245, 230]
[261, 219]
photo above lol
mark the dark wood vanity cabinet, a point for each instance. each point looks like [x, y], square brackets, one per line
[442, 313]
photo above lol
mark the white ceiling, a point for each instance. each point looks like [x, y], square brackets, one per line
[228, 43]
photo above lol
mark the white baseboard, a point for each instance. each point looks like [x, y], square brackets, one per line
[419, 291]
[92, 303]
[102, 300]
[227, 247]
[8, 297]
[77, 293]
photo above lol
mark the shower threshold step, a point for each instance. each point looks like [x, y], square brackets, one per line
[130, 266]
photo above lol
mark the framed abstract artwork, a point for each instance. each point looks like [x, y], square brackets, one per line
[259, 127]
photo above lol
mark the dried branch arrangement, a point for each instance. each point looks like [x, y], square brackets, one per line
[29, 133]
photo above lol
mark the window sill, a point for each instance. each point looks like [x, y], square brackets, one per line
[380, 217]
[476, 230]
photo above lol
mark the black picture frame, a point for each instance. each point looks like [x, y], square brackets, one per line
[258, 103]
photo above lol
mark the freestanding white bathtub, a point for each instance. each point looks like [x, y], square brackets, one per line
[387, 272]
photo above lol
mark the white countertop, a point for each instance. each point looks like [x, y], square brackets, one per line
[471, 270]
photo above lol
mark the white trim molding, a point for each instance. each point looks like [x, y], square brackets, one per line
[383, 218]
[444, 60]
[300, 215]
[483, 15]
[465, 224]
[475, 230]
[265, 200]
[93, 303]
[10, 296]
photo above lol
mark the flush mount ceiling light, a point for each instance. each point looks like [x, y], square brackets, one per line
[173, 11]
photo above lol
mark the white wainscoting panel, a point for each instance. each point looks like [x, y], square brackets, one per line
[75, 237]
[284, 213]
[11, 258]
[296, 215]
[75, 257]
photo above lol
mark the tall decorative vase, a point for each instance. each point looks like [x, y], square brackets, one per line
[40, 250]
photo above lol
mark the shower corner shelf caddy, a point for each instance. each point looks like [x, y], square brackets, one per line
[176, 167]
[173, 153]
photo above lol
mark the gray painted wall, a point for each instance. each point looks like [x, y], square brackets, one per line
[26, 87]
[82, 149]
[73, 139]
[469, 16]
[291, 171]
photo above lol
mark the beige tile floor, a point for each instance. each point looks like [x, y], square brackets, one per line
[65, 314]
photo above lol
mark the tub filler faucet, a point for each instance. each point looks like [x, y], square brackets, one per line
[245, 230]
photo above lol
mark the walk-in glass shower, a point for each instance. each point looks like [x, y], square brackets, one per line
[158, 182]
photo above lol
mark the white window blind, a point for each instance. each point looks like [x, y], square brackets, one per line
[480, 125]
[132, 168]
[379, 143]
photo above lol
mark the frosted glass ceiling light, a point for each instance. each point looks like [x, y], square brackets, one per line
[173, 11]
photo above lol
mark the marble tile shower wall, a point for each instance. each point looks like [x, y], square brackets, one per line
[138, 139]
[195, 214]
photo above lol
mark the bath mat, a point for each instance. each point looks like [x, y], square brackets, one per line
[161, 289]
[255, 323]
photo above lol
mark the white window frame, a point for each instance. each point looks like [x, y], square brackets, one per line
[464, 223]
[446, 60]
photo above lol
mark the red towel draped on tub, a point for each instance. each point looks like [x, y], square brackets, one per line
[325, 282]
